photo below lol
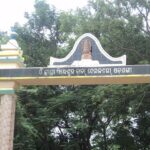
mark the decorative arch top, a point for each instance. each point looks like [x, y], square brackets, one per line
[87, 52]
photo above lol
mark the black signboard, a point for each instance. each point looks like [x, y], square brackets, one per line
[77, 71]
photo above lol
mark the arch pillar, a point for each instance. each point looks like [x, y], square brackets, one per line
[7, 119]
[10, 58]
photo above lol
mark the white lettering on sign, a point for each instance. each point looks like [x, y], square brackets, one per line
[85, 71]
[68, 72]
[48, 72]
[122, 70]
[99, 71]
[80, 71]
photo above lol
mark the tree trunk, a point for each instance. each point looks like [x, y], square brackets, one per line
[105, 139]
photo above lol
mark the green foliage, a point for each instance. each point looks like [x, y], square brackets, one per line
[39, 36]
[106, 117]
[3, 37]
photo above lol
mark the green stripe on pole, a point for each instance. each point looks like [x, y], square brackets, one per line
[7, 59]
[7, 91]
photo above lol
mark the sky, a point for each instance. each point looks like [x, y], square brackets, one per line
[12, 11]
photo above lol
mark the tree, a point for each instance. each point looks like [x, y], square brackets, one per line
[3, 37]
[85, 117]
[39, 36]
